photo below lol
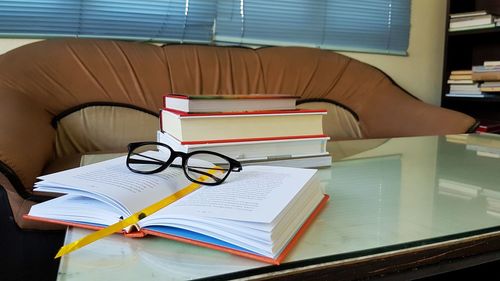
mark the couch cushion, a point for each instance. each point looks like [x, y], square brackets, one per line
[339, 123]
[103, 128]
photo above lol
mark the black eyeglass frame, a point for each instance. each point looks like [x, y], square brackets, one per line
[234, 165]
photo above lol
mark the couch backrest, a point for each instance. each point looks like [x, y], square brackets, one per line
[64, 76]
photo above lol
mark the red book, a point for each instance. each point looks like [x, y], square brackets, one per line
[261, 223]
[228, 103]
[199, 242]
[488, 126]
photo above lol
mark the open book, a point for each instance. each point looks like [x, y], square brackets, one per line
[258, 213]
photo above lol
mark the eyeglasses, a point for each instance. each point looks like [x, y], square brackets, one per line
[203, 167]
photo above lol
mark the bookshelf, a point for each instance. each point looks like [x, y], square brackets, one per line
[464, 49]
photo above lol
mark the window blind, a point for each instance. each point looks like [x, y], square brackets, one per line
[31, 18]
[380, 26]
[155, 20]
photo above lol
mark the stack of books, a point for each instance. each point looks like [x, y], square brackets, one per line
[254, 129]
[489, 72]
[462, 84]
[472, 20]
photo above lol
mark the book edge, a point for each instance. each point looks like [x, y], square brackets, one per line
[257, 257]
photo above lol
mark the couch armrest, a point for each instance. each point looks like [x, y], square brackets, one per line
[396, 113]
[26, 140]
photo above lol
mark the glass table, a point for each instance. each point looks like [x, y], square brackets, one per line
[396, 205]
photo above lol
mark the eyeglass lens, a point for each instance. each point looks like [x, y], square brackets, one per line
[207, 168]
[144, 159]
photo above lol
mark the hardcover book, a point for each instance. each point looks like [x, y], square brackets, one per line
[258, 213]
[290, 152]
[254, 149]
[228, 103]
[255, 125]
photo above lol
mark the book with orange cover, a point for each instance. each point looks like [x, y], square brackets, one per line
[258, 213]
[228, 103]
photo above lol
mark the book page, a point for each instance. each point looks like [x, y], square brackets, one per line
[256, 194]
[114, 182]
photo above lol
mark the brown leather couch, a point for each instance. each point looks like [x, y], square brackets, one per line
[60, 98]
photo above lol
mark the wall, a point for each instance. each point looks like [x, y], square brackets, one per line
[9, 44]
[419, 72]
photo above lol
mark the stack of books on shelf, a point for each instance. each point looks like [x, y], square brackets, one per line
[254, 129]
[462, 84]
[472, 20]
[489, 72]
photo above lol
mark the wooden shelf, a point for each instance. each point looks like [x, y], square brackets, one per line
[479, 100]
[491, 30]
[467, 48]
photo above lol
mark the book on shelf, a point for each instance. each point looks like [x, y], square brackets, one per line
[467, 95]
[468, 14]
[482, 68]
[490, 89]
[460, 76]
[491, 84]
[491, 126]
[461, 72]
[461, 81]
[482, 26]
[265, 151]
[465, 88]
[492, 63]
[228, 103]
[199, 127]
[471, 21]
[258, 213]
[486, 76]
